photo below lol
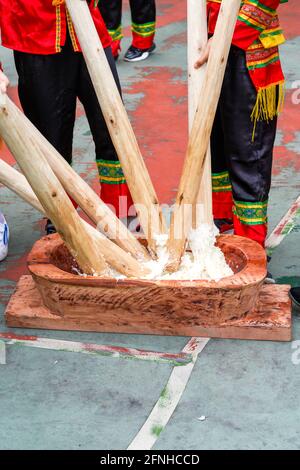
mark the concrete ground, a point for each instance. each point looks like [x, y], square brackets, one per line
[247, 391]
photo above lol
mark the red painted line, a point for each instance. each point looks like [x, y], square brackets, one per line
[175, 359]
[284, 228]
[288, 218]
[18, 337]
[16, 268]
[133, 351]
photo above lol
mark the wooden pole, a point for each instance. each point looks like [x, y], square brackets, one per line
[80, 191]
[123, 262]
[50, 193]
[17, 183]
[202, 127]
[197, 39]
[135, 171]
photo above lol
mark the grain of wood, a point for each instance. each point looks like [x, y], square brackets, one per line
[142, 300]
[136, 173]
[115, 256]
[49, 191]
[197, 39]
[99, 213]
[201, 130]
[270, 321]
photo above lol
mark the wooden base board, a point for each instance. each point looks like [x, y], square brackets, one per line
[270, 321]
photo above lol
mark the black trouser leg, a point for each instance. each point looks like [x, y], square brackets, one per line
[104, 147]
[249, 161]
[48, 88]
[143, 11]
[143, 14]
[47, 92]
[221, 186]
[113, 184]
[111, 11]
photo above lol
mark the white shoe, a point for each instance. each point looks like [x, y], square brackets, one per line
[134, 54]
[4, 237]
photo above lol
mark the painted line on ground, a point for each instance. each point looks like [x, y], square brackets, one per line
[180, 359]
[284, 228]
[2, 353]
[168, 400]
[172, 393]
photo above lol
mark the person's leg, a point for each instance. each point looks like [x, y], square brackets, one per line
[295, 296]
[249, 159]
[221, 186]
[112, 180]
[111, 11]
[143, 14]
[47, 92]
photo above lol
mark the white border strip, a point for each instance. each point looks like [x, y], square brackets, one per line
[284, 228]
[168, 400]
[2, 353]
[119, 352]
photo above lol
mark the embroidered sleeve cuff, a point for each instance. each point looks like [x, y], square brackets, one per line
[245, 35]
[254, 20]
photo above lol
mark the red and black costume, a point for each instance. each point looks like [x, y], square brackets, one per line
[245, 125]
[53, 74]
[143, 14]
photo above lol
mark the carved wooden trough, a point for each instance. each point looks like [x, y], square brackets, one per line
[68, 294]
[53, 296]
[240, 306]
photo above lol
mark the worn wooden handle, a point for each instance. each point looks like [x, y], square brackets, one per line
[83, 194]
[197, 39]
[135, 171]
[49, 191]
[123, 262]
[201, 130]
[2, 99]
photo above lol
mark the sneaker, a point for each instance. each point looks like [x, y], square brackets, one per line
[224, 226]
[295, 296]
[4, 237]
[134, 54]
[49, 227]
[269, 279]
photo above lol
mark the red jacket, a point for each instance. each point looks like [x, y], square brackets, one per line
[39, 27]
[258, 33]
[256, 20]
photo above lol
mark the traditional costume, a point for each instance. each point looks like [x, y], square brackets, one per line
[53, 74]
[245, 125]
[143, 14]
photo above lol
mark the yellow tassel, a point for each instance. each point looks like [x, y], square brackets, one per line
[269, 104]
